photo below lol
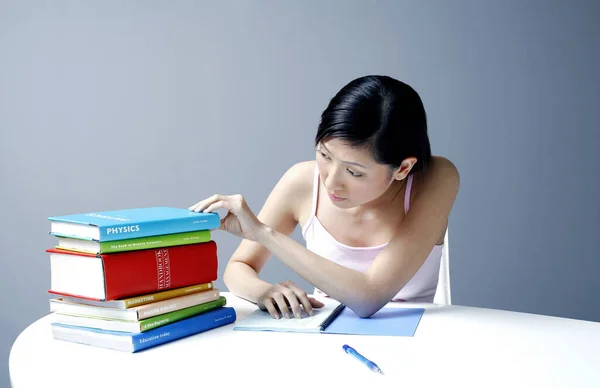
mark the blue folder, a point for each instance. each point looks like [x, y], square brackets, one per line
[385, 322]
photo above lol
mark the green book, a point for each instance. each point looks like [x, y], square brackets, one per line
[133, 244]
[140, 326]
[174, 316]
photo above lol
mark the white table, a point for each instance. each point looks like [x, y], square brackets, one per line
[453, 346]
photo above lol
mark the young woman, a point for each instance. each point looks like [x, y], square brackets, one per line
[373, 208]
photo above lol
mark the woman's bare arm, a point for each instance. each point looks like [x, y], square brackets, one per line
[280, 214]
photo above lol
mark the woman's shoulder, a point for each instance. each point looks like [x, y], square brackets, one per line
[442, 165]
[297, 181]
[441, 176]
[299, 177]
[295, 187]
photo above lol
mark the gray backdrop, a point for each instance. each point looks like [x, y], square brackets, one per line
[109, 105]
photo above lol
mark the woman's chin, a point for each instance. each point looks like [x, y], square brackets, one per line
[342, 204]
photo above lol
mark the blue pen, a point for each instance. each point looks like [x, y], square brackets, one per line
[370, 364]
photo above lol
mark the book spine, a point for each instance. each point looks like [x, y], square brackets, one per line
[158, 227]
[180, 303]
[184, 328]
[158, 269]
[174, 316]
[83, 310]
[164, 295]
[166, 240]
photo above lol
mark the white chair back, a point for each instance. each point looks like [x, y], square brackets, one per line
[442, 292]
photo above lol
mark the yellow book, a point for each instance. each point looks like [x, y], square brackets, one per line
[140, 300]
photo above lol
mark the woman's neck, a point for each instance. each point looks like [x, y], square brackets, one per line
[393, 196]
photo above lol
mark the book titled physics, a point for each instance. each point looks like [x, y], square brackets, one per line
[126, 224]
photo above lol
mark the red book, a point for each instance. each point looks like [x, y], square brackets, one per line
[113, 276]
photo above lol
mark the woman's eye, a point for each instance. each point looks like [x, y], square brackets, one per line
[323, 155]
[354, 174]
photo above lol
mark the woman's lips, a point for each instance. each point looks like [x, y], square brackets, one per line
[335, 198]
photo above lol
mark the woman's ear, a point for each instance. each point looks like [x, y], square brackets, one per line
[405, 168]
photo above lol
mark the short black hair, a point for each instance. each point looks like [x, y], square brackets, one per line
[381, 114]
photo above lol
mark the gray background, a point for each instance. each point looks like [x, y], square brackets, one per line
[109, 105]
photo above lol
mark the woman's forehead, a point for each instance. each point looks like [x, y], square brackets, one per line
[343, 150]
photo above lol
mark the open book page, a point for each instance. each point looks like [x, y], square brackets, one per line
[260, 320]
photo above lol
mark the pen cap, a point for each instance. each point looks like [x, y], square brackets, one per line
[346, 348]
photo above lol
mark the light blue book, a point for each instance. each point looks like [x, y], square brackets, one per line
[125, 224]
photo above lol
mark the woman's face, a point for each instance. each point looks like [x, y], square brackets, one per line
[350, 175]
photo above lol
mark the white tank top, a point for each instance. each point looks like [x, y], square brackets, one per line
[420, 288]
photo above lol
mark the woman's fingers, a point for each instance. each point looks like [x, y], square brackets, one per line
[230, 202]
[193, 207]
[214, 206]
[198, 207]
[281, 303]
[290, 295]
[316, 303]
[285, 296]
[302, 297]
[268, 303]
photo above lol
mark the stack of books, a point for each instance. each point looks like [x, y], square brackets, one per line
[136, 278]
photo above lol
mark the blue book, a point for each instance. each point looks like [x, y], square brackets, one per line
[125, 224]
[134, 342]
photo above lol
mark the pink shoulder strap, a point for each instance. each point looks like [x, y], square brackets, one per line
[315, 192]
[407, 193]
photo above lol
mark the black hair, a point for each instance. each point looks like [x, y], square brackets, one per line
[381, 114]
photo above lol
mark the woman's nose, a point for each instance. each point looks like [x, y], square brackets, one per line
[333, 180]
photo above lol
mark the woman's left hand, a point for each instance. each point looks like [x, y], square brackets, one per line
[239, 219]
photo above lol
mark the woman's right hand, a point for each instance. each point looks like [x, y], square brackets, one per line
[285, 296]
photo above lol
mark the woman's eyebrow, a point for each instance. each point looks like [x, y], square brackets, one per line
[345, 161]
